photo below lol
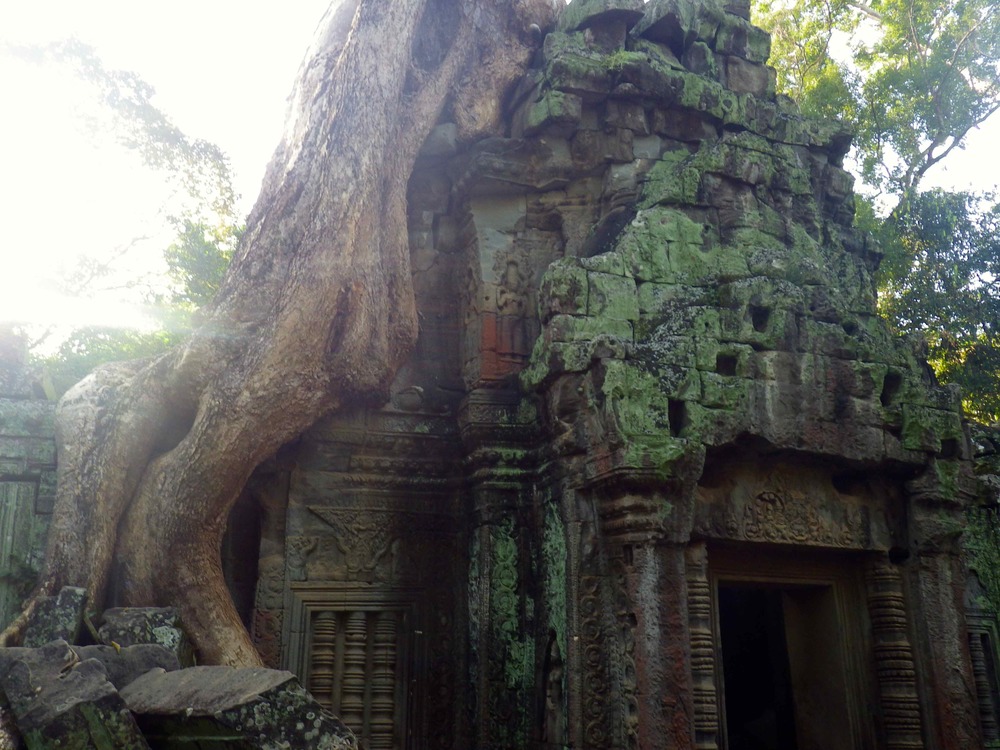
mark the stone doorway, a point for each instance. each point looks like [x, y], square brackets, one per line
[790, 639]
[756, 671]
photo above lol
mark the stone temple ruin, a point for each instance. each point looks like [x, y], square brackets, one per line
[656, 475]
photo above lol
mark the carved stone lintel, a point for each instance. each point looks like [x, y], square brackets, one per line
[894, 665]
[774, 517]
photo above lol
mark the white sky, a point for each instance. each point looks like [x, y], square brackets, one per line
[222, 70]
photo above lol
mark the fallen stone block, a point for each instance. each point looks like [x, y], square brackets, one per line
[243, 707]
[126, 664]
[61, 702]
[10, 737]
[56, 618]
[129, 626]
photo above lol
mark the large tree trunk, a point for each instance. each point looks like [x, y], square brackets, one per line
[317, 312]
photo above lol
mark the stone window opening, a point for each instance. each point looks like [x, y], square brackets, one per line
[357, 653]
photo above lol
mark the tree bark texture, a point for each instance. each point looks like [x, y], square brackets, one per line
[316, 312]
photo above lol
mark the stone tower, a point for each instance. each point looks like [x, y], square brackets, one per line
[656, 476]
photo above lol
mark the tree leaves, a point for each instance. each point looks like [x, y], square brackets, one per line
[802, 33]
[912, 78]
[932, 74]
[198, 259]
[204, 218]
[939, 277]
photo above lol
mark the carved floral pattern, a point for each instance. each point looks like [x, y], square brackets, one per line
[298, 550]
[596, 682]
[265, 631]
[776, 517]
[624, 667]
[510, 664]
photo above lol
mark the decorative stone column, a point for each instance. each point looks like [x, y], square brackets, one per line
[500, 475]
[649, 568]
[936, 580]
[703, 657]
[895, 670]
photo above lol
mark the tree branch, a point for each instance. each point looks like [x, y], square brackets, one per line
[866, 10]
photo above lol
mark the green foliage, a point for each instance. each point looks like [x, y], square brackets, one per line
[939, 277]
[86, 348]
[198, 259]
[919, 76]
[801, 34]
[203, 207]
[197, 262]
[199, 169]
[930, 77]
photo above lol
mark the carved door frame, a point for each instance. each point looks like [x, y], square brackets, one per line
[797, 569]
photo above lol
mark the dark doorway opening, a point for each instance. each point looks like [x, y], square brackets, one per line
[241, 553]
[784, 666]
[760, 713]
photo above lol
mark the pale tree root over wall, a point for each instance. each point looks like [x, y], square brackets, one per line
[316, 312]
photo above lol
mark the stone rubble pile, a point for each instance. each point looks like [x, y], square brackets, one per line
[138, 689]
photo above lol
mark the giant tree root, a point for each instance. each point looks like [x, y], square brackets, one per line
[316, 312]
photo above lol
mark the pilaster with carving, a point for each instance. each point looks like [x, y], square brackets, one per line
[605, 623]
[604, 642]
[895, 670]
[596, 684]
[270, 492]
[936, 580]
[498, 435]
[502, 637]
[981, 669]
[647, 587]
[703, 657]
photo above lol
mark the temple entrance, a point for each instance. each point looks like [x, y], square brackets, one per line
[789, 649]
[758, 694]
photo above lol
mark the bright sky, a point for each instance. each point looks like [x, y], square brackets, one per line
[976, 167]
[222, 70]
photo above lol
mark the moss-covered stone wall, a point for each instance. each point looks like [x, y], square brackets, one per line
[27, 476]
[735, 299]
